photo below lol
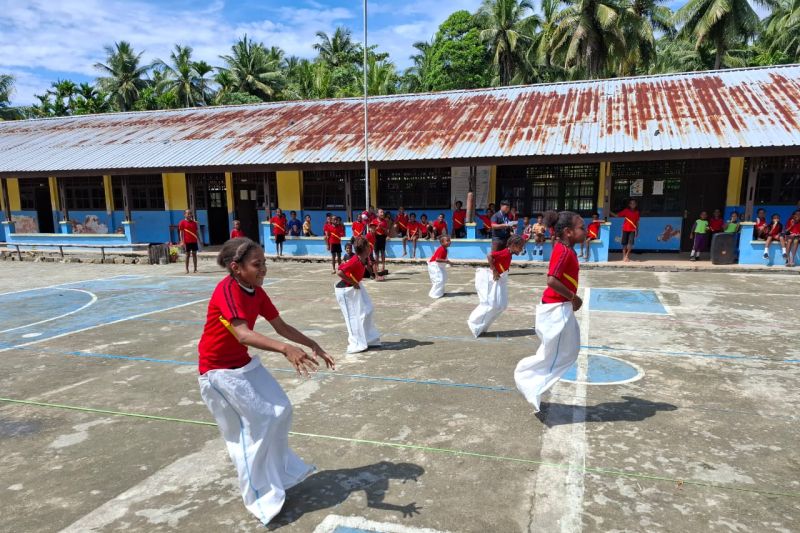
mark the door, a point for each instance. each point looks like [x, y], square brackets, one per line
[246, 194]
[703, 193]
[218, 231]
[44, 208]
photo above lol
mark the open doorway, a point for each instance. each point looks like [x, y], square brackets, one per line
[210, 195]
[34, 195]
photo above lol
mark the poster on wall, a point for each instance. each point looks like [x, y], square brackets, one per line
[459, 185]
[637, 187]
[658, 188]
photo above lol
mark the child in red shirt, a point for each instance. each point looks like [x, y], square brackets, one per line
[237, 232]
[326, 230]
[279, 231]
[440, 226]
[401, 227]
[791, 238]
[592, 233]
[630, 228]
[425, 228]
[381, 225]
[359, 227]
[252, 412]
[354, 301]
[335, 236]
[189, 235]
[760, 227]
[436, 269]
[773, 232]
[556, 325]
[459, 221]
[413, 233]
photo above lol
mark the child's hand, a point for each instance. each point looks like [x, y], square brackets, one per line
[576, 303]
[495, 275]
[301, 361]
[319, 352]
[357, 286]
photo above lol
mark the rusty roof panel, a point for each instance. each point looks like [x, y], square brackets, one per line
[738, 109]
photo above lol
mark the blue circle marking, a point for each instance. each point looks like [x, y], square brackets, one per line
[605, 370]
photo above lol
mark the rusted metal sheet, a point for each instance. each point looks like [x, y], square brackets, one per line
[732, 109]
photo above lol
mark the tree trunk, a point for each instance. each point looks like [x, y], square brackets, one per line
[720, 54]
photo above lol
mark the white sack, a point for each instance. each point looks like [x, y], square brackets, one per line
[254, 416]
[358, 313]
[557, 328]
[438, 274]
[492, 300]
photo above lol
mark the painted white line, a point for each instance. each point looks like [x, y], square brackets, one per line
[81, 330]
[558, 495]
[59, 285]
[332, 522]
[92, 300]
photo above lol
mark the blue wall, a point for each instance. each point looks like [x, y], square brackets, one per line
[653, 233]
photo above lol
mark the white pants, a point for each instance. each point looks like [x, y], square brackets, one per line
[438, 274]
[492, 300]
[358, 315]
[558, 329]
[254, 416]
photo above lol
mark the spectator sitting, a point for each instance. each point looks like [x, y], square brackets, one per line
[307, 227]
[294, 226]
[716, 223]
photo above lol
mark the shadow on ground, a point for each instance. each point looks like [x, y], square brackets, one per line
[402, 344]
[629, 410]
[330, 488]
[454, 294]
[510, 333]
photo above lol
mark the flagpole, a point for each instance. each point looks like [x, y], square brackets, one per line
[366, 115]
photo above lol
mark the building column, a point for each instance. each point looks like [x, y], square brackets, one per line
[290, 190]
[4, 203]
[267, 197]
[191, 203]
[492, 197]
[108, 189]
[13, 194]
[735, 177]
[373, 187]
[752, 178]
[348, 200]
[62, 199]
[126, 202]
[604, 189]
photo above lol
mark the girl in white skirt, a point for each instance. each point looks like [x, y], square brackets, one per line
[354, 301]
[252, 411]
[556, 325]
[436, 268]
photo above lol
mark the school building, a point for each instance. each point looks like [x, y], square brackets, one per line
[678, 143]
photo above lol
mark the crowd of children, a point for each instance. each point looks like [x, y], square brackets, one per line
[787, 235]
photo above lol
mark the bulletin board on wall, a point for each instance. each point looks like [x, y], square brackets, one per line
[459, 186]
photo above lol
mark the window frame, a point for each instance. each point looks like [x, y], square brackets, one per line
[84, 193]
[145, 192]
[401, 188]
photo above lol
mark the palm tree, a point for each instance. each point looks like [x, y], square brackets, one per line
[181, 76]
[721, 23]
[641, 20]
[6, 90]
[339, 50]
[588, 36]
[416, 77]
[124, 74]
[63, 90]
[89, 100]
[253, 70]
[202, 69]
[782, 30]
[509, 26]
[225, 81]
[381, 77]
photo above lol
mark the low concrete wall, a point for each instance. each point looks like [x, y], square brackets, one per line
[751, 252]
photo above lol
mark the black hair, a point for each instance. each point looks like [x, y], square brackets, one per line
[328, 214]
[513, 240]
[293, 213]
[596, 214]
[505, 202]
[413, 215]
[775, 215]
[560, 221]
[360, 245]
[234, 251]
[459, 202]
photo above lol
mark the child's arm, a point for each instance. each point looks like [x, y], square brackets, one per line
[554, 283]
[691, 233]
[493, 267]
[347, 279]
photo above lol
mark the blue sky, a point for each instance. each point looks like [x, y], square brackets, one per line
[44, 40]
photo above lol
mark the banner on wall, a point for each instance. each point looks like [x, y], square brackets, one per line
[459, 186]
[637, 187]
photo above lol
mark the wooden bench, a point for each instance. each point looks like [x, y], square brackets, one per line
[62, 246]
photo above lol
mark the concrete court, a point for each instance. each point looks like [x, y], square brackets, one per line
[699, 434]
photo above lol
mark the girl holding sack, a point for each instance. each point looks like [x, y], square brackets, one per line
[436, 268]
[355, 302]
[556, 325]
[491, 284]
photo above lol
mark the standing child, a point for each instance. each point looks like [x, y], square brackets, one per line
[348, 252]
[592, 233]
[326, 230]
[413, 233]
[307, 227]
[556, 325]
[539, 236]
[294, 227]
[459, 220]
[189, 235]
[372, 268]
[401, 227]
[699, 236]
[792, 238]
[773, 232]
[335, 236]
[733, 224]
[436, 269]
[252, 412]
[381, 225]
[492, 286]
[354, 301]
[279, 231]
[630, 228]
[237, 232]
[716, 224]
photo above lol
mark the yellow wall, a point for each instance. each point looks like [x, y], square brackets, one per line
[175, 198]
[492, 184]
[373, 188]
[54, 201]
[229, 190]
[2, 201]
[735, 177]
[13, 194]
[601, 186]
[290, 189]
[107, 187]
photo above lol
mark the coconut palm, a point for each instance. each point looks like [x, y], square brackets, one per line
[338, 50]
[509, 26]
[588, 36]
[782, 30]
[416, 77]
[641, 20]
[181, 77]
[6, 90]
[63, 92]
[722, 23]
[88, 100]
[124, 74]
[203, 69]
[381, 77]
[253, 70]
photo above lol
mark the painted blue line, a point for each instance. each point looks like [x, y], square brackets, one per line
[694, 354]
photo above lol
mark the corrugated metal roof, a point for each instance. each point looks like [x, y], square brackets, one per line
[730, 109]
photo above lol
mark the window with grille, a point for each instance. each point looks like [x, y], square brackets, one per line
[254, 181]
[539, 188]
[27, 192]
[325, 189]
[206, 189]
[417, 188]
[145, 192]
[778, 180]
[84, 193]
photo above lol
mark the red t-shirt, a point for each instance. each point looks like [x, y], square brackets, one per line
[413, 228]
[459, 218]
[358, 229]
[502, 260]
[440, 253]
[189, 230]
[402, 221]
[236, 233]
[371, 239]
[423, 229]
[278, 225]
[564, 267]
[381, 226]
[370, 215]
[760, 223]
[354, 269]
[593, 231]
[218, 346]
[631, 219]
[793, 226]
[440, 226]
[487, 221]
[774, 230]
[335, 234]
[716, 224]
